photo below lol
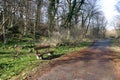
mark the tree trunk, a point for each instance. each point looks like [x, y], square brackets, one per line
[68, 34]
[4, 31]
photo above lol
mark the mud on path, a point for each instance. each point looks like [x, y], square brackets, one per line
[94, 63]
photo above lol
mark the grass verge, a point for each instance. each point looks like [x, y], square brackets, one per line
[12, 67]
[115, 46]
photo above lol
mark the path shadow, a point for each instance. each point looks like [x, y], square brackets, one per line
[86, 56]
[53, 57]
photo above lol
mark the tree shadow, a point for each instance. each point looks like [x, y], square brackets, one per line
[86, 56]
[6, 52]
[53, 57]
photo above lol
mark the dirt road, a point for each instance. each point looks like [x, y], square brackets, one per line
[94, 63]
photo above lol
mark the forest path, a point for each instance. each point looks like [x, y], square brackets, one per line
[94, 63]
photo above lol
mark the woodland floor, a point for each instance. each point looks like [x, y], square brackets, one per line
[97, 62]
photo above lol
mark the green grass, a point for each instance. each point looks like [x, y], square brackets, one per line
[12, 66]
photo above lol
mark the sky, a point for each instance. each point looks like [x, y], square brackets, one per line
[109, 10]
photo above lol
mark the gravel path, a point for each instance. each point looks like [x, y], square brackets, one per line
[94, 63]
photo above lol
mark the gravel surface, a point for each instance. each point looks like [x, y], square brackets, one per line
[94, 63]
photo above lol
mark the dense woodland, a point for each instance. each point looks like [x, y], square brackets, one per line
[57, 20]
